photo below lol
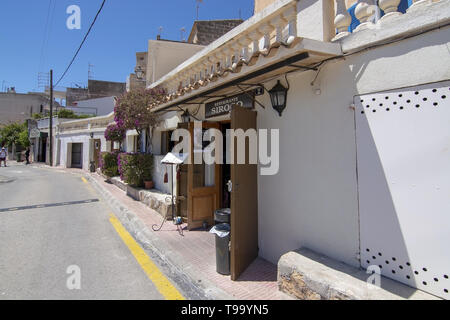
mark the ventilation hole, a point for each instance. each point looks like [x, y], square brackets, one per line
[445, 290]
[379, 253]
[401, 108]
[435, 104]
[400, 95]
[394, 259]
[424, 283]
[362, 101]
[387, 109]
[387, 262]
[381, 267]
[368, 261]
[367, 250]
[381, 104]
[417, 105]
[395, 102]
[424, 99]
[434, 90]
[373, 99]
[425, 269]
[408, 277]
[393, 271]
[443, 97]
[416, 93]
[368, 106]
[387, 98]
[408, 264]
[401, 267]
[436, 279]
[445, 276]
[362, 112]
[408, 101]
[374, 111]
[416, 272]
[373, 257]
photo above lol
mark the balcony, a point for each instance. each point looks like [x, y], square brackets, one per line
[293, 35]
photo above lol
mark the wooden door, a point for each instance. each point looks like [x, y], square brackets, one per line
[97, 151]
[182, 184]
[244, 200]
[203, 185]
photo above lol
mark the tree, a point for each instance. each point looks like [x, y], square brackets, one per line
[115, 133]
[15, 134]
[132, 111]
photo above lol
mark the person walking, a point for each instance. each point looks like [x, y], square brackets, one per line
[3, 156]
[27, 155]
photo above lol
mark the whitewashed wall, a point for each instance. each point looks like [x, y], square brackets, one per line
[312, 201]
[87, 141]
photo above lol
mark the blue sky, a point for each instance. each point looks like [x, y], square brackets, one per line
[123, 28]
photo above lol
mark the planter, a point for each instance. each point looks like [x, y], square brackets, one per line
[133, 192]
[149, 185]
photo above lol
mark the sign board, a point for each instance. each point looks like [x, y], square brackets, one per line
[224, 106]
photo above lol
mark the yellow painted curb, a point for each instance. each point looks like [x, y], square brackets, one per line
[164, 286]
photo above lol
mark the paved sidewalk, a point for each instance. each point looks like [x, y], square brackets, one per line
[196, 253]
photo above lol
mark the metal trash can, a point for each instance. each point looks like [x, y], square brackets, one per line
[222, 216]
[222, 232]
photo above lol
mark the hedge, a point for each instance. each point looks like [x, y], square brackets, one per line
[135, 168]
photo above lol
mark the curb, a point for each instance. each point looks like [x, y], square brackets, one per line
[184, 274]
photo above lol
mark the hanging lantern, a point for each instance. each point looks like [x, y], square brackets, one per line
[278, 97]
[186, 117]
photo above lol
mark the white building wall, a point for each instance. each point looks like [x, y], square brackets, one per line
[87, 141]
[313, 202]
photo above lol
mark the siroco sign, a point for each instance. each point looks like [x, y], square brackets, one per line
[224, 106]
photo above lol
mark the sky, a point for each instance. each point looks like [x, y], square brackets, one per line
[30, 43]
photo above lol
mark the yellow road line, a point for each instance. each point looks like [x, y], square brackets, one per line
[164, 286]
[84, 179]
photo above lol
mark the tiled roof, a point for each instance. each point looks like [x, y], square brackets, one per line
[205, 32]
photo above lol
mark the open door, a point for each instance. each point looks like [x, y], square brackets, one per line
[203, 184]
[244, 200]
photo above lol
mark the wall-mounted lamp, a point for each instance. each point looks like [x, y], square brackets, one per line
[186, 117]
[139, 72]
[278, 96]
[92, 135]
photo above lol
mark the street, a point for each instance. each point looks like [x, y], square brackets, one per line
[59, 240]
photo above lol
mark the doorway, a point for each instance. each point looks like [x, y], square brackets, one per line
[77, 158]
[97, 152]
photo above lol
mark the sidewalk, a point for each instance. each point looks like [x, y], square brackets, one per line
[193, 253]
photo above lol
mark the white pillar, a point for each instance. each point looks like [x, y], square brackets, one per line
[390, 8]
[342, 20]
[363, 11]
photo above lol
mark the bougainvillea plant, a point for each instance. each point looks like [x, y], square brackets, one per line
[132, 110]
[114, 132]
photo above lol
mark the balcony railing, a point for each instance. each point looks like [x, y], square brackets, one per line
[353, 16]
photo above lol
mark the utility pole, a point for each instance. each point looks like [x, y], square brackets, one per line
[51, 118]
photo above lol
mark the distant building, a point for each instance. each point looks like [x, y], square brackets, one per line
[96, 89]
[95, 107]
[206, 31]
[18, 107]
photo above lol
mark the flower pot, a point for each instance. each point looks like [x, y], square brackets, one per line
[149, 185]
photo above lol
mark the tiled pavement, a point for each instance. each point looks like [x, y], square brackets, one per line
[258, 282]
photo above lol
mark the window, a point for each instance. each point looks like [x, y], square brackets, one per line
[167, 144]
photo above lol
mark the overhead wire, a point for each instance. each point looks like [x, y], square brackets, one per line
[82, 42]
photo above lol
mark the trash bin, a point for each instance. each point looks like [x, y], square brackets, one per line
[92, 166]
[222, 216]
[222, 232]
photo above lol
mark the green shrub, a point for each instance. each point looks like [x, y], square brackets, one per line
[109, 165]
[135, 168]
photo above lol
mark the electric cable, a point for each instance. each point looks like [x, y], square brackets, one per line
[81, 45]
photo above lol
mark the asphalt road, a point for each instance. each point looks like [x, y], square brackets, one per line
[53, 248]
